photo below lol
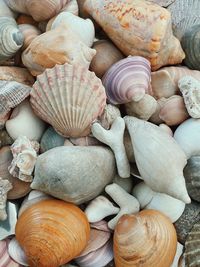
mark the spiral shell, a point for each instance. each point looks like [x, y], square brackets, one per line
[128, 80]
[69, 98]
[52, 232]
[145, 239]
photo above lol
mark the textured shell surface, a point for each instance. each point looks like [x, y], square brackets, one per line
[75, 174]
[159, 158]
[5, 186]
[138, 28]
[16, 252]
[29, 32]
[144, 239]
[128, 80]
[11, 39]
[69, 98]
[5, 259]
[62, 44]
[43, 227]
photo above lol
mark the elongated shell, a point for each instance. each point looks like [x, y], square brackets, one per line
[138, 28]
[52, 232]
[5, 259]
[146, 239]
[128, 80]
[74, 98]
[11, 39]
[159, 158]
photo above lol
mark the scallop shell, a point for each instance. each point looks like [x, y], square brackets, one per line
[16, 252]
[58, 46]
[192, 177]
[30, 32]
[191, 46]
[128, 80]
[5, 259]
[11, 39]
[145, 239]
[191, 254]
[69, 98]
[5, 139]
[43, 227]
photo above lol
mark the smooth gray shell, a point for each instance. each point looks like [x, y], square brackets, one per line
[74, 174]
[192, 177]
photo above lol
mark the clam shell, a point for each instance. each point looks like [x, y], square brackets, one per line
[16, 252]
[11, 39]
[128, 80]
[5, 259]
[30, 32]
[69, 98]
[192, 177]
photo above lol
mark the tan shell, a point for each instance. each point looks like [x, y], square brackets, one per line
[29, 32]
[71, 104]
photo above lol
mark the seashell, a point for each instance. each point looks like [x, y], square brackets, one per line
[165, 81]
[44, 226]
[20, 75]
[20, 188]
[11, 39]
[72, 7]
[143, 193]
[142, 109]
[68, 49]
[185, 14]
[83, 28]
[166, 128]
[50, 139]
[5, 11]
[159, 158]
[30, 32]
[101, 225]
[16, 252]
[26, 19]
[164, 3]
[178, 255]
[190, 216]
[99, 208]
[85, 141]
[107, 55]
[192, 177]
[191, 254]
[12, 94]
[187, 136]
[127, 80]
[5, 259]
[68, 143]
[70, 108]
[190, 89]
[84, 175]
[173, 111]
[98, 258]
[127, 203]
[38, 10]
[23, 121]
[108, 116]
[8, 226]
[24, 158]
[138, 28]
[129, 147]
[3, 118]
[114, 139]
[5, 139]
[155, 118]
[33, 197]
[126, 184]
[5, 186]
[144, 239]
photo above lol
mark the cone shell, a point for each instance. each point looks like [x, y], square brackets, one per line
[69, 98]
[29, 32]
[52, 232]
[145, 239]
[138, 28]
[5, 259]
[128, 80]
[11, 39]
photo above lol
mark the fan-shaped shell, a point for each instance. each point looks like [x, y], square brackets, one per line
[128, 80]
[191, 46]
[5, 259]
[52, 232]
[145, 239]
[30, 32]
[11, 39]
[69, 98]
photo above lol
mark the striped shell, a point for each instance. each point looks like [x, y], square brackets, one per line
[5, 259]
[69, 98]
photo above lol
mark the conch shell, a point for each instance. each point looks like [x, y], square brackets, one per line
[73, 103]
[58, 46]
[42, 228]
[138, 28]
[159, 158]
[145, 239]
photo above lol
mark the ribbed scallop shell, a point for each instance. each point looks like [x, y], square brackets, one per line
[52, 232]
[145, 239]
[11, 39]
[128, 80]
[5, 259]
[191, 46]
[69, 98]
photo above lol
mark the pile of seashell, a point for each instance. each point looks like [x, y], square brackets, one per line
[99, 133]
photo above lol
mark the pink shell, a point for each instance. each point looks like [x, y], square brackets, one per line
[128, 80]
[5, 259]
[101, 225]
